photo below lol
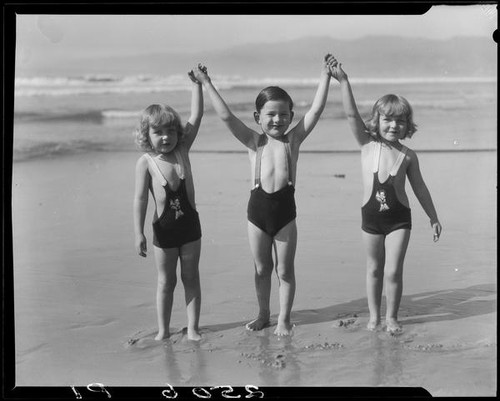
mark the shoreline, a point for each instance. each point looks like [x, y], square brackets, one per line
[235, 151]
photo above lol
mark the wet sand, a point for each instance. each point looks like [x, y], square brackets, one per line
[85, 302]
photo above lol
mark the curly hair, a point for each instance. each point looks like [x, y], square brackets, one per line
[391, 105]
[154, 116]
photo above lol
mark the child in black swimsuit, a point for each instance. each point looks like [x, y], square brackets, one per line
[271, 210]
[165, 171]
[386, 215]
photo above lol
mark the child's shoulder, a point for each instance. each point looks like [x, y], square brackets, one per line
[370, 143]
[410, 156]
[409, 151]
[143, 161]
[144, 158]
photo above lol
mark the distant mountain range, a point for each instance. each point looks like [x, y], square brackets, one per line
[374, 56]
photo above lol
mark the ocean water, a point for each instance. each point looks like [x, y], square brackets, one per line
[66, 115]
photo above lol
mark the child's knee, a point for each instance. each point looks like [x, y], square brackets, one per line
[167, 284]
[374, 268]
[285, 272]
[263, 269]
[393, 276]
[190, 278]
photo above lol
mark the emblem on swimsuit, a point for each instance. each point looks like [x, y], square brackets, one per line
[175, 204]
[381, 198]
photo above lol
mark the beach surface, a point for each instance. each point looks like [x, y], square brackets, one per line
[85, 302]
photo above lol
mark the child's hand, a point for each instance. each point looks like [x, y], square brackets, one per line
[200, 73]
[337, 72]
[140, 245]
[329, 63]
[191, 76]
[436, 227]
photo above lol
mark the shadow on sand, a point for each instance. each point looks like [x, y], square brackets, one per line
[425, 307]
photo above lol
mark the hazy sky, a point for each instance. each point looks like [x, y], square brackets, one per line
[132, 34]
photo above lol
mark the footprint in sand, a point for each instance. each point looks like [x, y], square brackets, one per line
[406, 338]
[277, 361]
[349, 322]
[140, 337]
[426, 347]
[324, 346]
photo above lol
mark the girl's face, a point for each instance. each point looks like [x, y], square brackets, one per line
[163, 139]
[274, 118]
[392, 128]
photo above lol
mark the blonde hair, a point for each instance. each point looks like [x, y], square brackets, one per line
[154, 116]
[391, 105]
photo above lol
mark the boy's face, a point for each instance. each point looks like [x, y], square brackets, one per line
[392, 128]
[163, 139]
[274, 118]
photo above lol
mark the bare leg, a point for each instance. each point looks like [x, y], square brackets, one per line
[261, 247]
[286, 245]
[375, 261]
[396, 244]
[190, 275]
[166, 263]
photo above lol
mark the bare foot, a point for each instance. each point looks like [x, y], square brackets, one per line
[258, 324]
[373, 325]
[283, 329]
[393, 326]
[193, 335]
[162, 335]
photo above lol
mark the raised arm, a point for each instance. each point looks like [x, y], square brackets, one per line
[310, 119]
[194, 121]
[140, 204]
[356, 123]
[245, 135]
[422, 193]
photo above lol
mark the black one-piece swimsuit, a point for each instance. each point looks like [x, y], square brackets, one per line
[179, 222]
[384, 213]
[271, 211]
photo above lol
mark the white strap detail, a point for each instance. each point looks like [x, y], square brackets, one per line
[376, 156]
[156, 169]
[397, 164]
[399, 161]
[179, 166]
[180, 163]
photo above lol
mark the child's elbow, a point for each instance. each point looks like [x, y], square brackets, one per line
[227, 117]
[316, 112]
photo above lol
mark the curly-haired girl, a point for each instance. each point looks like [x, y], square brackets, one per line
[165, 171]
[386, 214]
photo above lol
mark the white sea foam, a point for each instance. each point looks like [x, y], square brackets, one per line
[108, 84]
[120, 114]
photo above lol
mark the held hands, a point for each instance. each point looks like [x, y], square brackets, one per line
[335, 68]
[436, 227]
[199, 74]
[328, 63]
[191, 76]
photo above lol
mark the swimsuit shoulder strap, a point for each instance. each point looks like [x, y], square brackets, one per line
[181, 162]
[156, 170]
[289, 160]
[258, 157]
[397, 164]
[376, 155]
[399, 160]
